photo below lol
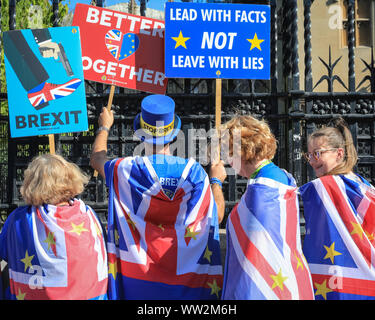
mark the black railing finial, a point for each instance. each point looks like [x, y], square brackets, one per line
[371, 68]
[330, 77]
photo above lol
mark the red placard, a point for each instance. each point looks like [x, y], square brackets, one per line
[121, 49]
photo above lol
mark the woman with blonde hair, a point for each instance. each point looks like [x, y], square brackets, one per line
[331, 150]
[264, 258]
[339, 209]
[54, 246]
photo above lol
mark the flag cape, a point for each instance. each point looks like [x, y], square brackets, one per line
[55, 253]
[264, 258]
[1, 285]
[161, 248]
[339, 243]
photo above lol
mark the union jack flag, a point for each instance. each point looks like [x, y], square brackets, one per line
[51, 91]
[55, 253]
[339, 242]
[264, 258]
[121, 45]
[161, 248]
[113, 41]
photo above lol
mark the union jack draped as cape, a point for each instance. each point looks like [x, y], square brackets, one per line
[264, 258]
[1, 285]
[339, 241]
[161, 248]
[55, 253]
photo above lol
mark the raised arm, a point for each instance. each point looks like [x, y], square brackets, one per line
[99, 150]
[217, 171]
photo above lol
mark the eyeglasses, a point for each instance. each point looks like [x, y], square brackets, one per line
[316, 154]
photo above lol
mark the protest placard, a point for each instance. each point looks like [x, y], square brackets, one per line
[121, 49]
[45, 84]
[226, 41]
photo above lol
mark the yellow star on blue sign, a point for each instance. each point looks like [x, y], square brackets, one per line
[255, 42]
[180, 40]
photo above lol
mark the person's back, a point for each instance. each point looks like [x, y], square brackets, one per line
[163, 239]
[164, 248]
[168, 169]
[264, 259]
[47, 246]
[339, 211]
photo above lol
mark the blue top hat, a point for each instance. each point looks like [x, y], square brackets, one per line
[157, 123]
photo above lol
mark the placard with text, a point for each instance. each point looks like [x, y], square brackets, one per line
[45, 83]
[121, 49]
[207, 40]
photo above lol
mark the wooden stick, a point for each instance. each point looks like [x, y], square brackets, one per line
[51, 138]
[218, 104]
[109, 106]
[110, 98]
[218, 84]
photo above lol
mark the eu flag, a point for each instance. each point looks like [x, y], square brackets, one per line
[339, 242]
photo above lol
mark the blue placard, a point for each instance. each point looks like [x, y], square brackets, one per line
[46, 89]
[229, 41]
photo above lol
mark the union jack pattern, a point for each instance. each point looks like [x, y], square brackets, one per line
[55, 253]
[264, 258]
[113, 41]
[339, 241]
[161, 248]
[53, 91]
[121, 45]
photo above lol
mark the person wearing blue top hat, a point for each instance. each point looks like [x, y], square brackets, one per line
[163, 225]
[157, 126]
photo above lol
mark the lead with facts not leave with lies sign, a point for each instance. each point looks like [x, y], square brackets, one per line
[223, 41]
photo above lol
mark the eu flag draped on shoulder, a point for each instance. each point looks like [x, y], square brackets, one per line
[54, 253]
[163, 236]
[264, 256]
[339, 243]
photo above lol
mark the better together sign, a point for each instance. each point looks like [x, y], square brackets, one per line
[121, 49]
[230, 41]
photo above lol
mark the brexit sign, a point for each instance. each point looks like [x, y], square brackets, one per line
[45, 81]
[229, 41]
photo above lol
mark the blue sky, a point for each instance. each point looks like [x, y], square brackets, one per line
[154, 4]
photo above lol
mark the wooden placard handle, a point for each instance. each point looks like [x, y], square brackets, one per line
[218, 85]
[52, 149]
[109, 106]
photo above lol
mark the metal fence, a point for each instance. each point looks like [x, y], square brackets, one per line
[291, 111]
